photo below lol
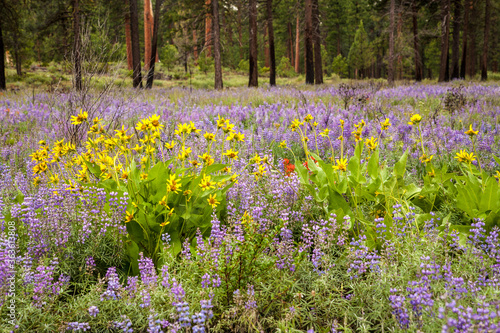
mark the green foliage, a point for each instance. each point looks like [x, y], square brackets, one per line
[168, 56]
[244, 65]
[205, 63]
[285, 69]
[360, 54]
[340, 66]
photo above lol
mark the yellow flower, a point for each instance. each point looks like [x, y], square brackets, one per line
[231, 136]
[234, 178]
[183, 129]
[325, 132]
[138, 148]
[357, 134]
[173, 184]
[150, 150]
[256, 159]
[385, 124]
[163, 201]
[96, 120]
[187, 193]
[155, 122]
[220, 121]
[426, 159]
[305, 139]
[471, 132]
[193, 128]
[207, 159]
[371, 143]
[226, 170]
[260, 172]
[165, 223]
[341, 138]
[432, 173]
[497, 176]
[42, 143]
[464, 157]
[209, 136]
[128, 216]
[231, 154]
[206, 183]
[54, 179]
[341, 165]
[212, 201]
[124, 175]
[308, 118]
[415, 119]
[79, 118]
[295, 124]
[341, 123]
[315, 124]
[239, 137]
[283, 144]
[228, 127]
[143, 125]
[170, 145]
[144, 176]
[36, 181]
[194, 162]
[121, 133]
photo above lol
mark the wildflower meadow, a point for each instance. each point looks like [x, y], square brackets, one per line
[356, 207]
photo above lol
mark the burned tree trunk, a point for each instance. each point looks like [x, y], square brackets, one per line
[309, 43]
[253, 80]
[154, 46]
[416, 44]
[216, 38]
[3, 86]
[484, 63]
[455, 47]
[390, 66]
[270, 34]
[136, 51]
[318, 63]
[445, 32]
[128, 41]
[77, 84]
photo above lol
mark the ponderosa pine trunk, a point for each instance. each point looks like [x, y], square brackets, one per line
[3, 86]
[270, 34]
[484, 63]
[445, 33]
[465, 38]
[154, 45]
[416, 44]
[390, 65]
[253, 79]
[290, 44]
[297, 45]
[148, 31]
[128, 41]
[318, 63]
[455, 47]
[77, 84]
[208, 29]
[308, 32]
[216, 38]
[136, 51]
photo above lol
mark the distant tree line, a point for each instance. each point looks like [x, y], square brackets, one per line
[393, 39]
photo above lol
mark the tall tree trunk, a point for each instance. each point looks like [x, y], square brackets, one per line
[195, 43]
[445, 32]
[154, 46]
[240, 33]
[297, 45]
[216, 37]
[455, 47]
[270, 34]
[253, 79]
[465, 38]
[309, 43]
[3, 86]
[416, 44]
[148, 31]
[136, 51]
[390, 66]
[318, 63]
[290, 44]
[128, 41]
[484, 63]
[77, 84]
[266, 45]
[208, 29]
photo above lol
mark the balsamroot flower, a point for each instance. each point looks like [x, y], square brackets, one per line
[212, 200]
[471, 132]
[465, 157]
[80, 118]
[415, 119]
[341, 165]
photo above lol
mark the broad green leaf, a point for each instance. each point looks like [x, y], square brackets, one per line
[400, 166]
[373, 166]
[489, 198]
